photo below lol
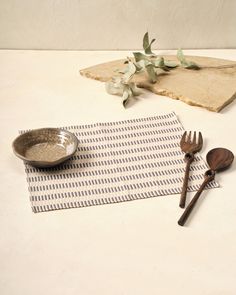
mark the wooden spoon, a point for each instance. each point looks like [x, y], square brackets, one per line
[218, 159]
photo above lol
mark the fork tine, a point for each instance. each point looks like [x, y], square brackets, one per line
[183, 138]
[189, 137]
[194, 137]
[200, 140]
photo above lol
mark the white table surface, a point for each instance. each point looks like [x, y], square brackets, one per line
[127, 248]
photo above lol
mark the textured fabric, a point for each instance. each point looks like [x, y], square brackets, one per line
[116, 162]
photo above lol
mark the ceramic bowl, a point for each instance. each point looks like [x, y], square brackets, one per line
[45, 147]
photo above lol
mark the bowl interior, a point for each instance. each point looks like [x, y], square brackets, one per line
[47, 145]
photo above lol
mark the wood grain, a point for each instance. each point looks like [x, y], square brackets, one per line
[219, 159]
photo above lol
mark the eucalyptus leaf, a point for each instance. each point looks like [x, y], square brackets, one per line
[125, 98]
[114, 88]
[117, 81]
[180, 56]
[147, 45]
[191, 65]
[185, 63]
[170, 64]
[122, 85]
[145, 40]
[123, 71]
[151, 73]
[140, 65]
[128, 68]
[159, 62]
[138, 56]
[135, 91]
[129, 72]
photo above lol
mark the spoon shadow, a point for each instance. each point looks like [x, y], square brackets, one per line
[197, 206]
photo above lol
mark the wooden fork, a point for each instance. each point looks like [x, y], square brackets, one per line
[190, 146]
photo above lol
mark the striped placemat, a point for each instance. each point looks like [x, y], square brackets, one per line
[117, 162]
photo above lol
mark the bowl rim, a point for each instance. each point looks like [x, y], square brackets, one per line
[42, 163]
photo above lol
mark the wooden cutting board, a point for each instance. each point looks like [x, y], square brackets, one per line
[212, 87]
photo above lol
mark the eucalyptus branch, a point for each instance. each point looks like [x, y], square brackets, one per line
[123, 85]
[149, 62]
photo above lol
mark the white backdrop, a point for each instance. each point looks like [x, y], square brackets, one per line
[117, 24]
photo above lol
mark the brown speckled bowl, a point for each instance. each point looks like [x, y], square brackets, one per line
[45, 147]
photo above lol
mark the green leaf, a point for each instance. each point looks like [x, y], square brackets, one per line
[191, 65]
[138, 56]
[122, 71]
[126, 89]
[151, 73]
[159, 62]
[145, 41]
[146, 44]
[125, 98]
[185, 63]
[141, 60]
[135, 91]
[170, 64]
[114, 87]
[129, 72]
[140, 65]
[180, 56]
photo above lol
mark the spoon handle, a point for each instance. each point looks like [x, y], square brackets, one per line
[209, 176]
[188, 159]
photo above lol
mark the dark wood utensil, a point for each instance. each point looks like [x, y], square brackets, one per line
[218, 159]
[190, 147]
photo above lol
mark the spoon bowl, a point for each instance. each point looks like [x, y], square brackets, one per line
[219, 159]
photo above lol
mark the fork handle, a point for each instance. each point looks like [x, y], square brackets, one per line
[189, 157]
[209, 176]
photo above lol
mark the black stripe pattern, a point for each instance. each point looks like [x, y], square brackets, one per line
[116, 162]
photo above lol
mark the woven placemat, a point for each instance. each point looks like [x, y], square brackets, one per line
[117, 162]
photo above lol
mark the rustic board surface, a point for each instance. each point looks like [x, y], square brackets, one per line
[212, 87]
